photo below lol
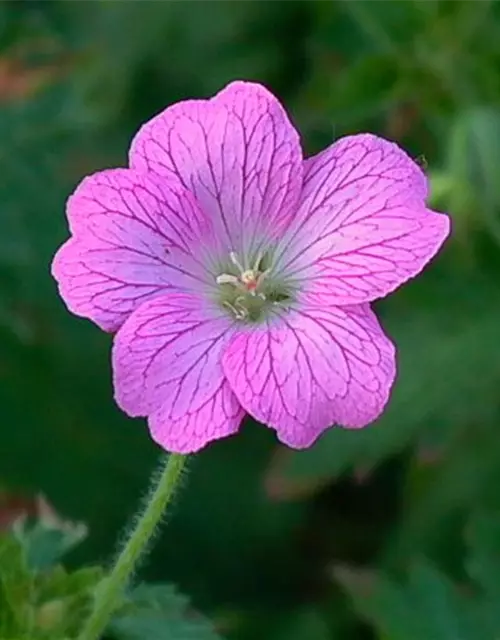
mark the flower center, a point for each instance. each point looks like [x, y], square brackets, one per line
[248, 292]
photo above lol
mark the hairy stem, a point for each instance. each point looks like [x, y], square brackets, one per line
[109, 593]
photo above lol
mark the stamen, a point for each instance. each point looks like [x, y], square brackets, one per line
[240, 312]
[257, 262]
[234, 259]
[247, 288]
[227, 278]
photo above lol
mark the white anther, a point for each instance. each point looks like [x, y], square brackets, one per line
[227, 278]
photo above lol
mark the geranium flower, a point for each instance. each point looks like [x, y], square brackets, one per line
[238, 276]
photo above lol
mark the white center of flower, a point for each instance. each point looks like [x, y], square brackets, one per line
[248, 291]
[248, 280]
[246, 287]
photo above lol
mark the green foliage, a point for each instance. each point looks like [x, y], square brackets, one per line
[16, 587]
[159, 612]
[427, 604]
[258, 527]
[483, 562]
[38, 598]
[45, 542]
[473, 161]
[305, 623]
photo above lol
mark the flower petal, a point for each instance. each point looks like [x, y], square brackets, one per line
[238, 153]
[132, 239]
[364, 226]
[311, 369]
[166, 365]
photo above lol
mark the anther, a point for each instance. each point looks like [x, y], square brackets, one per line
[227, 278]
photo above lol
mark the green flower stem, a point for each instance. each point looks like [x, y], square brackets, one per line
[110, 591]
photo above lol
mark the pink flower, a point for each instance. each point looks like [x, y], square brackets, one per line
[239, 276]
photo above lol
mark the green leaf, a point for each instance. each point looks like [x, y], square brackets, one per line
[160, 596]
[155, 626]
[381, 602]
[16, 587]
[483, 564]
[160, 612]
[63, 599]
[440, 495]
[483, 536]
[50, 604]
[426, 606]
[59, 583]
[305, 624]
[45, 542]
[84, 580]
[473, 164]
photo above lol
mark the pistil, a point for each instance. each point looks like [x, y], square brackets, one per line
[247, 290]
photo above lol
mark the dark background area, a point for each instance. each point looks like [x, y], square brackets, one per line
[392, 532]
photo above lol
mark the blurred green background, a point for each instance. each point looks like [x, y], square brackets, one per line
[390, 533]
